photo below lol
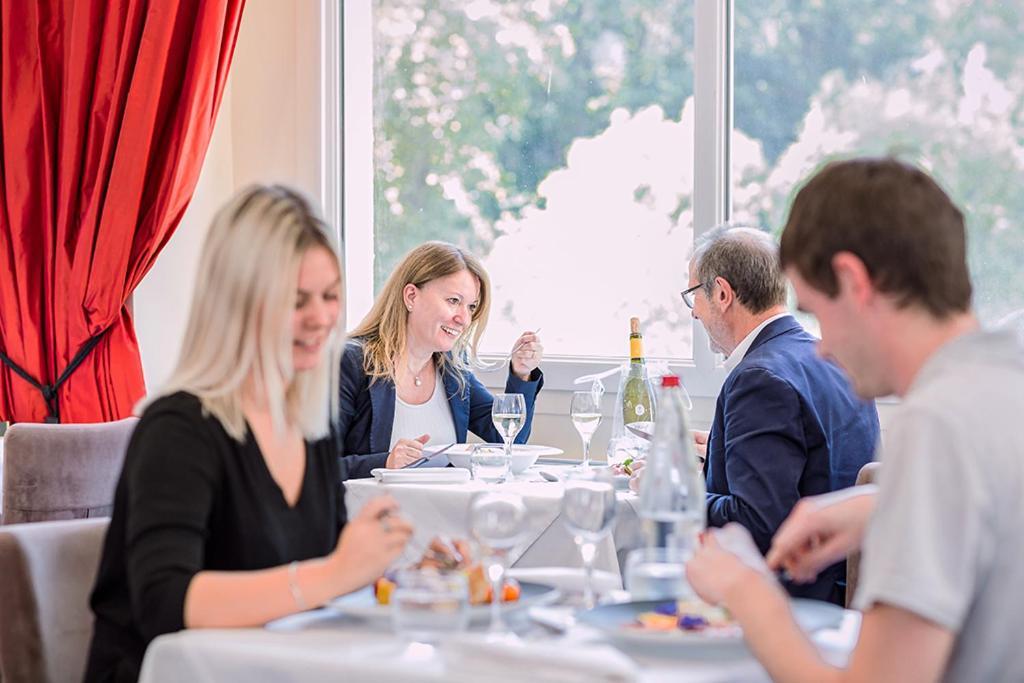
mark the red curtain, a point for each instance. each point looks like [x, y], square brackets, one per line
[106, 112]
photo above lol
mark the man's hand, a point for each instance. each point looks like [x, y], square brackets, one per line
[820, 531]
[700, 443]
[726, 558]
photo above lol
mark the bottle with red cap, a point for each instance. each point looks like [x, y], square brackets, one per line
[672, 499]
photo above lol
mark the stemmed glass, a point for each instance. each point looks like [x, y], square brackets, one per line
[588, 509]
[497, 521]
[585, 410]
[509, 414]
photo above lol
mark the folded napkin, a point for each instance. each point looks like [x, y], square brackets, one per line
[437, 475]
[473, 657]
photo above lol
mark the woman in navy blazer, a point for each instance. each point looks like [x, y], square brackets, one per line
[420, 338]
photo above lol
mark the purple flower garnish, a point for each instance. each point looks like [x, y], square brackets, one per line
[666, 608]
[692, 622]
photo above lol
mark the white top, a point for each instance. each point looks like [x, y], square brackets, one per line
[434, 417]
[741, 349]
[944, 541]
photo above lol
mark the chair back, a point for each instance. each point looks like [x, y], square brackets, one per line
[48, 571]
[62, 471]
[867, 475]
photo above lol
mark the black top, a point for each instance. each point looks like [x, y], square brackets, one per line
[191, 498]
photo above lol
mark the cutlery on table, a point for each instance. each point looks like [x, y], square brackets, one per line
[427, 456]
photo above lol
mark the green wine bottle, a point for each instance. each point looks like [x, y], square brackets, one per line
[637, 395]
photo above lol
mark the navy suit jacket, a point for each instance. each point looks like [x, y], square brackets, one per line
[366, 412]
[787, 425]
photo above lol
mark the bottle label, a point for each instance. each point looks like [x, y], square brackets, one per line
[636, 348]
[639, 410]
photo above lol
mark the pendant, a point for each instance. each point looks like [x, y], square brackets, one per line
[417, 381]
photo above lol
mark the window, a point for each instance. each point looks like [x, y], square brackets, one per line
[939, 84]
[579, 147]
[553, 139]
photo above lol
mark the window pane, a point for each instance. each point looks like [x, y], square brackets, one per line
[936, 83]
[554, 139]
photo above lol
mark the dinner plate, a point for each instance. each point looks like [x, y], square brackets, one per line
[440, 475]
[363, 605]
[523, 455]
[541, 451]
[614, 623]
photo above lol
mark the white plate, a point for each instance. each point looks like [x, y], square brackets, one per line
[540, 451]
[614, 623]
[363, 605]
[524, 455]
[433, 475]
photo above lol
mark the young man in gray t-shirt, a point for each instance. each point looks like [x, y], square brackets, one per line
[876, 250]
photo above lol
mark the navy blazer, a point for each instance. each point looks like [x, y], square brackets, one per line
[787, 425]
[366, 412]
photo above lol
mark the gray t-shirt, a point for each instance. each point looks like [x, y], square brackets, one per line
[946, 540]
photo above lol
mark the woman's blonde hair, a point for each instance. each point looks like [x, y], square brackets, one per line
[383, 332]
[239, 332]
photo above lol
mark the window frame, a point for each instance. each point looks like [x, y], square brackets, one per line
[347, 171]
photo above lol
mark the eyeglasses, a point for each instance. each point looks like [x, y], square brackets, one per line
[687, 294]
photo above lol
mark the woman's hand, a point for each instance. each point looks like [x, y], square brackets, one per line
[526, 355]
[406, 451]
[369, 543]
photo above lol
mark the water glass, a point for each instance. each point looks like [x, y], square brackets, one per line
[657, 574]
[585, 410]
[428, 604]
[588, 510]
[508, 412]
[489, 463]
[497, 521]
[620, 449]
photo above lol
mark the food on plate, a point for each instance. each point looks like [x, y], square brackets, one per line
[688, 615]
[444, 555]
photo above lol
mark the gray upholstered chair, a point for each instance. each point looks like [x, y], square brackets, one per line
[48, 571]
[867, 475]
[53, 472]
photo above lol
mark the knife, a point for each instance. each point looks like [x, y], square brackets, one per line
[637, 430]
[425, 461]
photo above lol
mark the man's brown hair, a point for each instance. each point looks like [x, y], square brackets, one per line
[895, 218]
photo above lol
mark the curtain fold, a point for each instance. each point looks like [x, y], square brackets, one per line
[106, 113]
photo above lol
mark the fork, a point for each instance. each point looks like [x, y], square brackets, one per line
[481, 366]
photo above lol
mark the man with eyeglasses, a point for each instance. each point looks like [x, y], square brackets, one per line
[787, 423]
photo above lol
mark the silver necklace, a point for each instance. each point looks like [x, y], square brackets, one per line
[416, 377]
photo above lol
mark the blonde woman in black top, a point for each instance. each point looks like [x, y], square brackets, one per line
[230, 508]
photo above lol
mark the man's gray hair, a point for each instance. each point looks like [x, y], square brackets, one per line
[746, 258]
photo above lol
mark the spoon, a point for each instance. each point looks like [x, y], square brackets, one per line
[497, 365]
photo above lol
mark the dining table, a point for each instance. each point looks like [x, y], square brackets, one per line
[442, 509]
[329, 645]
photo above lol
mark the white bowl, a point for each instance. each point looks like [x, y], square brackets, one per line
[523, 455]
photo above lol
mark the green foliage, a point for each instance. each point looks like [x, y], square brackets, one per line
[478, 102]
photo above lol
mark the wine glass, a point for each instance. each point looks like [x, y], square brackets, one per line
[585, 410]
[497, 521]
[588, 510]
[508, 413]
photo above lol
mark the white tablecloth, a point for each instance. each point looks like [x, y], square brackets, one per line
[444, 509]
[322, 646]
